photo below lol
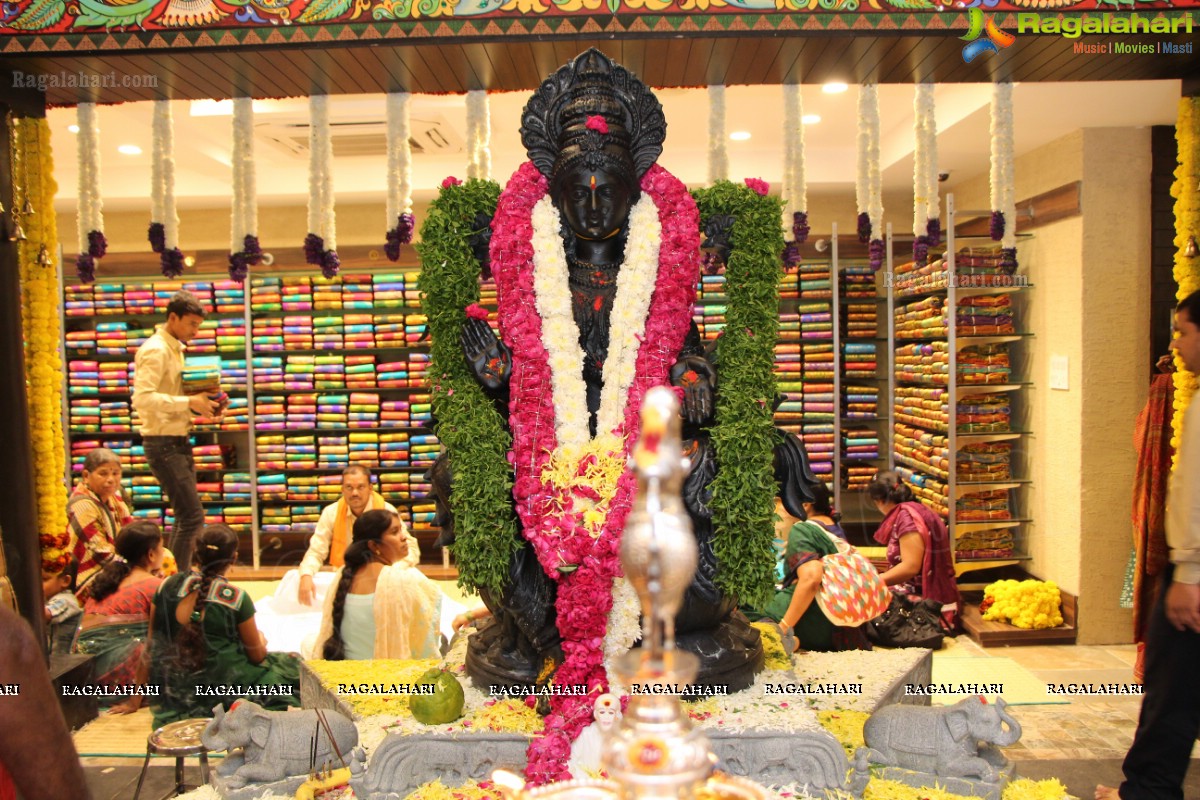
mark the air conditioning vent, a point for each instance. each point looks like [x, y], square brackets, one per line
[431, 134]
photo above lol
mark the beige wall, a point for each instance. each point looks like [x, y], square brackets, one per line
[1090, 303]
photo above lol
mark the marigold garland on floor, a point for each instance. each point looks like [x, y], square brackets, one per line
[1186, 191]
[40, 319]
[744, 435]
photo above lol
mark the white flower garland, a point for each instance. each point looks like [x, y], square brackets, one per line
[399, 150]
[869, 120]
[624, 628]
[479, 135]
[90, 214]
[635, 285]
[1003, 190]
[863, 146]
[925, 193]
[321, 218]
[244, 217]
[718, 155]
[795, 184]
[163, 173]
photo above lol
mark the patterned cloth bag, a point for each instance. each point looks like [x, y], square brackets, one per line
[851, 590]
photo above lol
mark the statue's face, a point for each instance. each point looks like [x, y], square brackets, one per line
[595, 202]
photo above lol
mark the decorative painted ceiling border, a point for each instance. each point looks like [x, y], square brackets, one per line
[105, 25]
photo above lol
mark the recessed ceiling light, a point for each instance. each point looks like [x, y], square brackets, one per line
[129, 150]
[73, 128]
[834, 88]
[740, 136]
[810, 119]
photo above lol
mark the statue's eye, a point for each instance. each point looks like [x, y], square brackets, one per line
[579, 193]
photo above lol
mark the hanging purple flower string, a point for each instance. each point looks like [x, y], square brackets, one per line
[921, 250]
[997, 226]
[252, 250]
[791, 255]
[1008, 260]
[97, 244]
[876, 254]
[864, 227]
[401, 234]
[933, 230]
[157, 236]
[330, 263]
[239, 267]
[314, 246]
[85, 267]
[172, 262]
[800, 227]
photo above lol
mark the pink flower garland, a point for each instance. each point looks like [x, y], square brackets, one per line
[550, 523]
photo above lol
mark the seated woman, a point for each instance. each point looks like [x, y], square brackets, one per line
[920, 561]
[379, 607]
[95, 512]
[203, 635]
[808, 541]
[116, 616]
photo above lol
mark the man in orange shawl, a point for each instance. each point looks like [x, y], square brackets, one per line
[334, 529]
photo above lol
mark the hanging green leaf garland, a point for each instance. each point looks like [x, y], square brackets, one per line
[743, 493]
[467, 423]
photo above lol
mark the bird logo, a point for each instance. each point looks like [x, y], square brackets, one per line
[994, 40]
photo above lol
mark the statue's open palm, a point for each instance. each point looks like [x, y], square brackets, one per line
[489, 358]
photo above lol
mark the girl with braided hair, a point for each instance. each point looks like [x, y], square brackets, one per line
[205, 646]
[117, 614]
[379, 607]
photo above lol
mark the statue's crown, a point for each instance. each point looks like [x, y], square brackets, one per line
[554, 124]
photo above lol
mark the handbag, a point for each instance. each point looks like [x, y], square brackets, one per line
[851, 590]
[908, 624]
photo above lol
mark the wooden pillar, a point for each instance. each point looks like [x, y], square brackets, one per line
[18, 500]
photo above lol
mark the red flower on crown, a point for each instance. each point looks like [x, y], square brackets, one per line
[597, 123]
[476, 311]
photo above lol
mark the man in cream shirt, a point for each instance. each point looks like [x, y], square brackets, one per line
[336, 525]
[166, 417]
[1169, 724]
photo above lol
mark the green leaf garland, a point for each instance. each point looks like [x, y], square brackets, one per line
[744, 436]
[467, 423]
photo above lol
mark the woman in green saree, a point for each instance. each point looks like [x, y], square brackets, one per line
[205, 646]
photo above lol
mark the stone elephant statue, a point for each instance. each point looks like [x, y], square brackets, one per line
[944, 741]
[279, 744]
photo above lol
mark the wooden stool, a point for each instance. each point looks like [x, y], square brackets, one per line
[180, 739]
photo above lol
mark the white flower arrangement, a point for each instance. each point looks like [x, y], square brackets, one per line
[321, 242]
[870, 121]
[795, 184]
[624, 628]
[863, 146]
[162, 190]
[925, 198]
[479, 135]
[92, 244]
[399, 155]
[718, 156]
[1003, 189]
[635, 285]
[244, 219]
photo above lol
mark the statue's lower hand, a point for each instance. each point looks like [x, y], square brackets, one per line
[697, 378]
[489, 358]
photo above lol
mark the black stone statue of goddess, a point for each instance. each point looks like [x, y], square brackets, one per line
[596, 253]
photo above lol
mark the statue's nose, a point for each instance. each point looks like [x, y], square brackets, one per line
[593, 194]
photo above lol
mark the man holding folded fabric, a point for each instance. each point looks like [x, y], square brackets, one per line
[334, 529]
[166, 417]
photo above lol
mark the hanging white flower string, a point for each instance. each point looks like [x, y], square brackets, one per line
[874, 177]
[1003, 189]
[320, 245]
[478, 132]
[162, 192]
[92, 244]
[244, 248]
[795, 187]
[399, 182]
[926, 227]
[862, 169]
[718, 156]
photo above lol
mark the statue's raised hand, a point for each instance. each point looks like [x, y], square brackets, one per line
[698, 380]
[489, 358]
